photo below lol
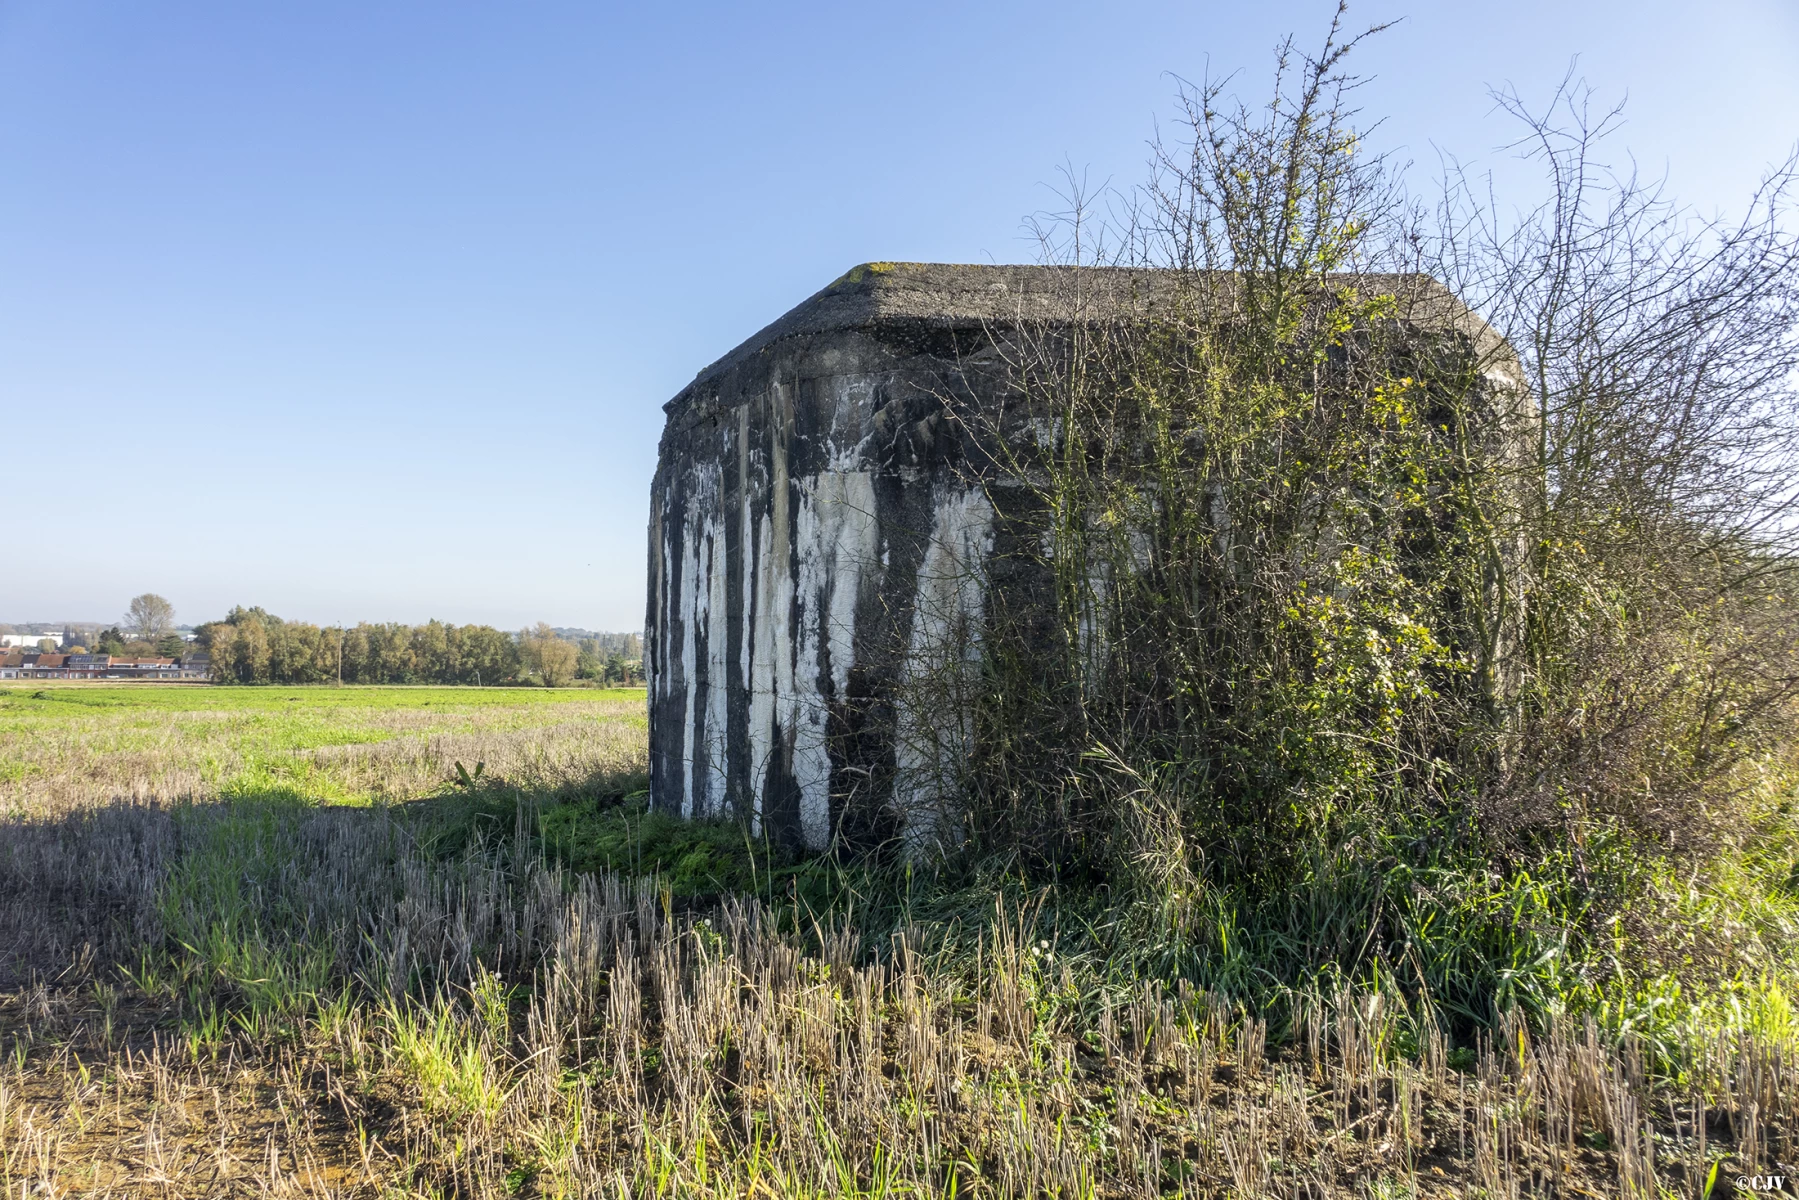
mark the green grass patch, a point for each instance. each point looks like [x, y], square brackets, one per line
[39, 698]
[97, 741]
[696, 859]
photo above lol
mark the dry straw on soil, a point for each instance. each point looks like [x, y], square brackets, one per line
[370, 1020]
[381, 752]
[262, 996]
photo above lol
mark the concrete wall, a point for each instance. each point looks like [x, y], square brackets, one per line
[823, 537]
[810, 516]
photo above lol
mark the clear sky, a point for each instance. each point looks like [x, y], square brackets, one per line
[367, 311]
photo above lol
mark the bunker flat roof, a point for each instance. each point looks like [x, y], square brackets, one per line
[971, 296]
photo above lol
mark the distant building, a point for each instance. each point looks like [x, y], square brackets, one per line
[29, 639]
[194, 668]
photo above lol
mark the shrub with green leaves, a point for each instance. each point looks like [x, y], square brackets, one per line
[1378, 646]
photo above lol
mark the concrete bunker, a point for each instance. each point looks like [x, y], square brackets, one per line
[824, 543]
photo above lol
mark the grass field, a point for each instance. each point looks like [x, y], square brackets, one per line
[67, 746]
[263, 942]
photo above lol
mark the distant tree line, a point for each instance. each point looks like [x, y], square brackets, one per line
[629, 644]
[608, 657]
[252, 645]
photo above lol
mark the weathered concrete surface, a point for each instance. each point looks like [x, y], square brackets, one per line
[823, 542]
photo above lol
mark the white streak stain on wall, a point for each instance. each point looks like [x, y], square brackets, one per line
[751, 555]
[768, 607]
[700, 532]
[838, 541]
[689, 574]
[656, 678]
[804, 571]
[933, 706]
[852, 400]
[759, 642]
[718, 677]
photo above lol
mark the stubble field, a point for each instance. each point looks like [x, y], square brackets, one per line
[268, 942]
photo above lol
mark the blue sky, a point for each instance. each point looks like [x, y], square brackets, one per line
[367, 311]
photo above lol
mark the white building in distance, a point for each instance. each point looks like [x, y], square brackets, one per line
[29, 639]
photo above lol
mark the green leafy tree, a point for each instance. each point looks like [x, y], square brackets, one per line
[547, 656]
[252, 645]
